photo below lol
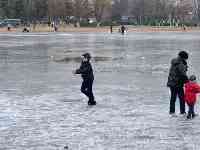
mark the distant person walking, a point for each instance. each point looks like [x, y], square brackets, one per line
[176, 79]
[111, 28]
[55, 28]
[191, 90]
[49, 23]
[184, 27]
[25, 29]
[123, 29]
[86, 72]
[9, 27]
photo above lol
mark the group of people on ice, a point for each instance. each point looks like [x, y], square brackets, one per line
[121, 30]
[186, 88]
[182, 86]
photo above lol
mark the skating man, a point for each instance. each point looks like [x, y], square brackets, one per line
[86, 72]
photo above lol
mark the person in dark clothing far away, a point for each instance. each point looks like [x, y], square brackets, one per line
[191, 90]
[9, 27]
[176, 79]
[86, 72]
[25, 29]
[111, 28]
[123, 29]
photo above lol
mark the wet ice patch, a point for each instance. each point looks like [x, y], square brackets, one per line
[33, 34]
[14, 44]
[7, 120]
[7, 114]
[71, 99]
[78, 59]
[161, 68]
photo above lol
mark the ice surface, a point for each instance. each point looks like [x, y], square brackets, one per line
[41, 107]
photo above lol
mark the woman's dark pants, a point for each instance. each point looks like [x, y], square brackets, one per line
[177, 91]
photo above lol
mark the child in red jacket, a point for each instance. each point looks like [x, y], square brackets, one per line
[191, 90]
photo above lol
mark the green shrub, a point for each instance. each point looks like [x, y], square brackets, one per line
[189, 24]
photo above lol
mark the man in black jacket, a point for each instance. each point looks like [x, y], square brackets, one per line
[176, 79]
[86, 72]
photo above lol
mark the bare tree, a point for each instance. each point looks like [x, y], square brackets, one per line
[183, 11]
[198, 9]
[68, 7]
[116, 10]
[56, 8]
[78, 9]
[82, 9]
[145, 10]
[138, 10]
[142, 9]
[87, 9]
[100, 7]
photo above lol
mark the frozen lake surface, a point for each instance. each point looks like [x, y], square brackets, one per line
[41, 107]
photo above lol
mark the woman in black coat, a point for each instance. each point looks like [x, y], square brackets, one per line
[176, 79]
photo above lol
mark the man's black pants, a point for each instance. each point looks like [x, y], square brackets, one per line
[174, 92]
[86, 89]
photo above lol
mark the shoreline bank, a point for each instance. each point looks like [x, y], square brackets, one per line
[105, 29]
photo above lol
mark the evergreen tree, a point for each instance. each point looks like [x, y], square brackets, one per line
[18, 9]
[4, 8]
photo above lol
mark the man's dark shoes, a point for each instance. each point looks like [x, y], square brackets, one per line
[91, 102]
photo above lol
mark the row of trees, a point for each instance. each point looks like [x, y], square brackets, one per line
[145, 10]
[142, 10]
[34, 9]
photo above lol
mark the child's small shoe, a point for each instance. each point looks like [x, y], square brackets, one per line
[66, 148]
[193, 115]
[189, 116]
